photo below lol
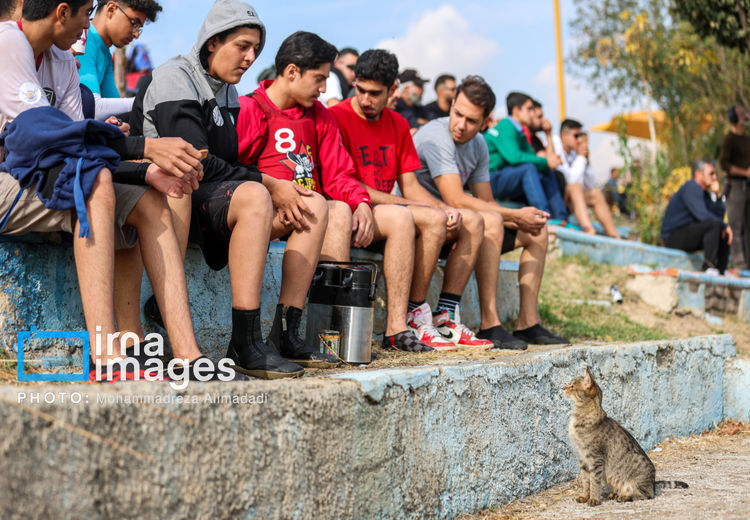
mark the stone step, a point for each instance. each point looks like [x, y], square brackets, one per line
[426, 442]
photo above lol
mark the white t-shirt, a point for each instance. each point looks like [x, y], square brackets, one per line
[333, 90]
[576, 168]
[23, 86]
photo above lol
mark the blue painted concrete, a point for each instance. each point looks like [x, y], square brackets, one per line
[40, 288]
[737, 390]
[607, 250]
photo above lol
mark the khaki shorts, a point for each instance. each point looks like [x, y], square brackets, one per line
[30, 215]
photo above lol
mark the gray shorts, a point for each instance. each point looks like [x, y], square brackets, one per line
[30, 215]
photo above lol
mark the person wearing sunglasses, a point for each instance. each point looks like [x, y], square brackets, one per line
[581, 192]
[118, 24]
[339, 85]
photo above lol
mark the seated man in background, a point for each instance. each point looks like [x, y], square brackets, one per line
[454, 157]
[581, 192]
[381, 146]
[339, 82]
[409, 103]
[445, 88]
[117, 22]
[694, 219]
[516, 172]
[290, 135]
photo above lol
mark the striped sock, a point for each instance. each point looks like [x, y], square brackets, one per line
[415, 305]
[448, 302]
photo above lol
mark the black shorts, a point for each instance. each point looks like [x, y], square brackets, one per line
[509, 243]
[208, 225]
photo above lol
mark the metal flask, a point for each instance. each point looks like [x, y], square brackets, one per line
[341, 299]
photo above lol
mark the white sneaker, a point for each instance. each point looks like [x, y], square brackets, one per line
[420, 322]
[453, 330]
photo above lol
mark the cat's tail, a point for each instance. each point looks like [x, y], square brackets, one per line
[670, 484]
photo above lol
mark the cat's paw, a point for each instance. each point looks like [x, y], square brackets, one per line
[624, 499]
[613, 496]
[582, 499]
[594, 502]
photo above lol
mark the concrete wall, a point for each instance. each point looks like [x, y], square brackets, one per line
[40, 288]
[409, 443]
[607, 250]
[737, 390]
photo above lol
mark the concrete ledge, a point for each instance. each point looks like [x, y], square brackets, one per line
[607, 250]
[40, 288]
[422, 442]
[737, 390]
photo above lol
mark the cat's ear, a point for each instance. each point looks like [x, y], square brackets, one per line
[588, 379]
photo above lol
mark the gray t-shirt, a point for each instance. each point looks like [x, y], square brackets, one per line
[441, 155]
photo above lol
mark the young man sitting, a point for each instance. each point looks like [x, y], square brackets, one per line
[581, 192]
[380, 143]
[117, 22]
[455, 157]
[34, 64]
[291, 136]
[517, 173]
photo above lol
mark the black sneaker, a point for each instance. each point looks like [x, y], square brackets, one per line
[538, 335]
[151, 312]
[501, 338]
[284, 337]
[209, 371]
[406, 341]
[251, 355]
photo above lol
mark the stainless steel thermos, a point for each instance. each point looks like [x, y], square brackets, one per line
[341, 299]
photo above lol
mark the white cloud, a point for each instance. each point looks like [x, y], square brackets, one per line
[442, 41]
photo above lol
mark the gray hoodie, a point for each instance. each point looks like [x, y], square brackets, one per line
[183, 100]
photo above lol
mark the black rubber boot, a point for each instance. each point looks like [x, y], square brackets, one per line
[285, 339]
[251, 355]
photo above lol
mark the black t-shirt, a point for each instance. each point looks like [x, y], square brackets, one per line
[434, 111]
[411, 113]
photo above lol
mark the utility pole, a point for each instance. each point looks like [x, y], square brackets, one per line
[560, 71]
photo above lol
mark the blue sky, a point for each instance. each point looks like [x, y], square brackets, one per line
[510, 43]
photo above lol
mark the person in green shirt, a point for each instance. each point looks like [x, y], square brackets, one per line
[516, 172]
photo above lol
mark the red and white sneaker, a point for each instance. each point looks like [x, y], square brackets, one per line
[420, 322]
[451, 329]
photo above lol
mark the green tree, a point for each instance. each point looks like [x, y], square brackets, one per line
[725, 20]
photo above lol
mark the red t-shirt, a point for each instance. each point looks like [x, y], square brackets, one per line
[381, 150]
[323, 150]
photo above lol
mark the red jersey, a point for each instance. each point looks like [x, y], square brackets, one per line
[297, 144]
[381, 150]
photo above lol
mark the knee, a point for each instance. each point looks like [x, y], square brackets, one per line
[395, 221]
[434, 224]
[339, 215]
[253, 199]
[318, 206]
[528, 170]
[597, 197]
[472, 222]
[103, 189]
[493, 227]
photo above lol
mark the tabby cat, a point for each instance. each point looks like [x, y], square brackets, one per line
[606, 452]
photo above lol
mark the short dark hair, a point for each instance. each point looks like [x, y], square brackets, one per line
[443, 78]
[348, 50]
[516, 100]
[536, 103]
[377, 65]
[222, 37]
[306, 50]
[7, 7]
[700, 164]
[40, 9]
[570, 124]
[148, 7]
[478, 92]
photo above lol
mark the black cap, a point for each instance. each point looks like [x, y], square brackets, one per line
[412, 76]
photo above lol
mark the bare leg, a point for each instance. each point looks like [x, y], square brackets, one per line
[488, 266]
[394, 224]
[128, 275]
[95, 263]
[595, 198]
[337, 243]
[530, 273]
[576, 200]
[463, 258]
[301, 253]
[181, 213]
[162, 257]
[430, 225]
[250, 217]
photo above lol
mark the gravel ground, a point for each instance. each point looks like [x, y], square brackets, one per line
[715, 465]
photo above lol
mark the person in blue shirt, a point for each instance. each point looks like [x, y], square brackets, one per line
[115, 23]
[694, 218]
